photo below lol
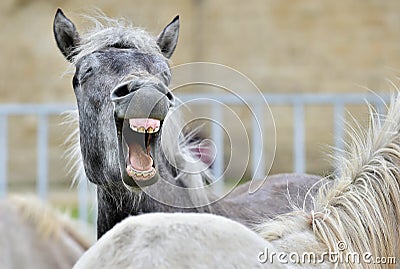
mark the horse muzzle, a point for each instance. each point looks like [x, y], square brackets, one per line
[139, 112]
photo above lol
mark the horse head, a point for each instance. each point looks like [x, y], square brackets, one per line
[121, 85]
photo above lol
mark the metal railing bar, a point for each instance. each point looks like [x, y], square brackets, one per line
[83, 195]
[34, 109]
[338, 128]
[299, 138]
[3, 155]
[284, 99]
[42, 157]
[257, 156]
[217, 137]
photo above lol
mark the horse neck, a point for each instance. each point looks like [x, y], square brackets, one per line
[113, 206]
[116, 202]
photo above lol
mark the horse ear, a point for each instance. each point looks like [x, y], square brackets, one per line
[66, 35]
[168, 38]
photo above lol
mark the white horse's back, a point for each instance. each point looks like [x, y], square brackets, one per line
[177, 240]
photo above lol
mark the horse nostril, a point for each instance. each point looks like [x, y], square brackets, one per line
[120, 91]
[171, 98]
[125, 89]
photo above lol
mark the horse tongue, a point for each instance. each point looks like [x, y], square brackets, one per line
[139, 159]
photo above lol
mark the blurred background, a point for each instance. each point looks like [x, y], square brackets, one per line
[284, 47]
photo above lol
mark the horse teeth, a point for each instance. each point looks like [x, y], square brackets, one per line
[142, 174]
[152, 130]
[149, 126]
[134, 128]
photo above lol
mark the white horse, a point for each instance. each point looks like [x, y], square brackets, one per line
[176, 240]
[354, 223]
[33, 235]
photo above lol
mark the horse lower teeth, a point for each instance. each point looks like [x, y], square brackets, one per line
[144, 174]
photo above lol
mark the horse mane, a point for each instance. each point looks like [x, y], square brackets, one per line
[48, 222]
[361, 206]
[73, 148]
[119, 33]
[192, 173]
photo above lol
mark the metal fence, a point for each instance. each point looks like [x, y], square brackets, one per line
[297, 101]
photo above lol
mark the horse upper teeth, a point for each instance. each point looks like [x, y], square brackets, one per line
[145, 125]
[142, 129]
[134, 128]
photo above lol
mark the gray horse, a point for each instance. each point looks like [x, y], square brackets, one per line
[125, 111]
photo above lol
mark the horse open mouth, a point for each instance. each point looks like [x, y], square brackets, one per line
[139, 135]
[139, 114]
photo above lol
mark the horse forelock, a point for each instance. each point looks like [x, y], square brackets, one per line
[119, 33]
